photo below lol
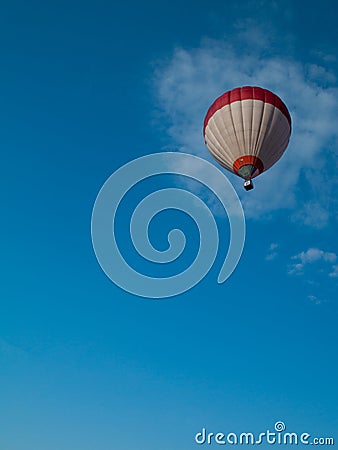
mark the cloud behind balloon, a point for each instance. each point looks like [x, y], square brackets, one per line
[189, 82]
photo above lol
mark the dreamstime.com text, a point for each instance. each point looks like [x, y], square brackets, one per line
[278, 437]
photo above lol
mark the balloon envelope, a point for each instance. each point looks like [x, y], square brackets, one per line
[247, 130]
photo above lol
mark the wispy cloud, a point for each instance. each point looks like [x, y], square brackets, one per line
[312, 265]
[315, 299]
[313, 214]
[272, 252]
[189, 82]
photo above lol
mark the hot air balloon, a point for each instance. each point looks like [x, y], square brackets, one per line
[247, 131]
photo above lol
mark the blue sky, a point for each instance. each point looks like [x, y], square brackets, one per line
[85, 88]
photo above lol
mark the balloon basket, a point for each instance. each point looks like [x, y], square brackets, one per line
[248, 185]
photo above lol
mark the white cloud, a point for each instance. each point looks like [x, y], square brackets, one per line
[315, 254]
[296, 269]
[334, 273]
[189, 82]
[310, 256]
[271, 256]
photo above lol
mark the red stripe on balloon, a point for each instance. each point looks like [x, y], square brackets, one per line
[248, 159]
[246, 93]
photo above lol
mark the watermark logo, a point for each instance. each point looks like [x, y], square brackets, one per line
[279, 436]
[120, 182]
[280, 426]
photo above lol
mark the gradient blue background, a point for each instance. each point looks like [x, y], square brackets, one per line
[84, 365]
